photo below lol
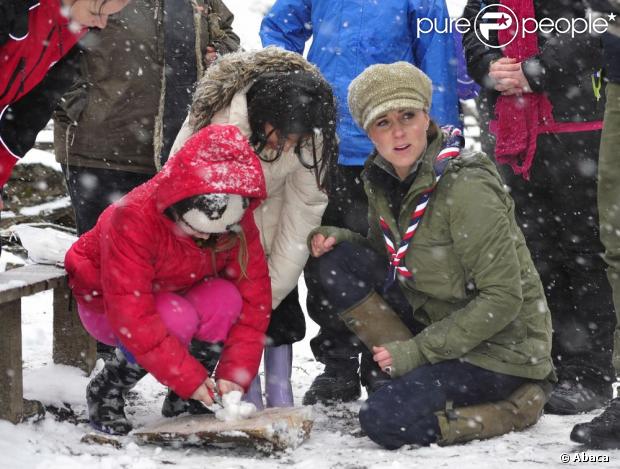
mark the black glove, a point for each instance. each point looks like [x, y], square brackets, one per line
[13, 18]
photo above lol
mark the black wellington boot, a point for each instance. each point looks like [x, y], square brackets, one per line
[339, 382]
[372, 377]
[105, 394]
[570, 397]
[602, 431]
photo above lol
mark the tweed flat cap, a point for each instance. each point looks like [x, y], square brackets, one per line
[386, 87]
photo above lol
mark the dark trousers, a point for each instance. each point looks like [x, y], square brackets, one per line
[557, 212]
[287, 324]
[93, 189]
[403, 411]
[344, 276]
[347, 208]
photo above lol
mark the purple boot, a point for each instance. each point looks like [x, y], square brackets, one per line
[255, 394]
[278, 364]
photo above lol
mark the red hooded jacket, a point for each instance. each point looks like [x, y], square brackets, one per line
[24, 62]
[136, 250]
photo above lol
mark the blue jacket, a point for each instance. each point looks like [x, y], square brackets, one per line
[350, 35]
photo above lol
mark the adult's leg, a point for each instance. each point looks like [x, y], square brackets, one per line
[346, 276]
[92, 189]
[604, 430]
[403, 411]
[347, 208]
[556, 211]
[585, 320]
[609, 201]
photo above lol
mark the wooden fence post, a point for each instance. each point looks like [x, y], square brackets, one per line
[11, 384]
[72, 344]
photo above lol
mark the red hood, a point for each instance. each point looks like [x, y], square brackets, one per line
[217, 159]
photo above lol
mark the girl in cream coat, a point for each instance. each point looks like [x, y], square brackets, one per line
[287, 110]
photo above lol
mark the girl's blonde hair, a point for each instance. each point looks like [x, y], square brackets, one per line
[227, 242]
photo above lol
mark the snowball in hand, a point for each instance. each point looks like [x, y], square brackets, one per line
[234, 408]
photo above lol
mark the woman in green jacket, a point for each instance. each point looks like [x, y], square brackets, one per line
[442, 290]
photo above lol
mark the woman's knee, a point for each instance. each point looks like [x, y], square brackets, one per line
[387, 423]
[337, 265]
[377, 420]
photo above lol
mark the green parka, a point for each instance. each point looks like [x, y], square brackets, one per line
[112, 116]
[474, 284]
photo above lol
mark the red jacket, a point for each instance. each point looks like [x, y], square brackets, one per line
[24, 63]
[135, 250]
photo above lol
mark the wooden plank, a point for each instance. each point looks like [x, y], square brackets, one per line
[72, 344]
[271, 429]
[11, 385]
[28, 280]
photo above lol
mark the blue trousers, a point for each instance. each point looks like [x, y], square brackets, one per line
[343, 277]
[403, 412]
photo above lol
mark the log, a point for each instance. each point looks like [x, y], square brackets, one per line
[275, 429]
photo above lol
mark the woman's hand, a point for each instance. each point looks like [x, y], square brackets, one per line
[224, 386]
[383, 358]
[320, 244]
[203, 394]
[508, 77]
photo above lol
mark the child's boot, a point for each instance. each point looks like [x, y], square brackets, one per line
[208, 355]
[255, 394]
[105, 394]
[278, 364]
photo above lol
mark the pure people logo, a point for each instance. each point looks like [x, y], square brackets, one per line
[497, 17]
[487, 21]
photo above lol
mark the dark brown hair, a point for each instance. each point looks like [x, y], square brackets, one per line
[296, 102]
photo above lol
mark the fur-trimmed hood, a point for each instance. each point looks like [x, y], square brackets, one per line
[234, 72]
[294, 204]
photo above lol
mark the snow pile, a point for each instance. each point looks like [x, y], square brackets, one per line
[234, 408]
[291, 436]
[45, 245]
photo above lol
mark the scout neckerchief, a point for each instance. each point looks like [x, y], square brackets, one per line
[451, 149]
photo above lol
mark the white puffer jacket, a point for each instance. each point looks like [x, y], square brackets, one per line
[294, 204]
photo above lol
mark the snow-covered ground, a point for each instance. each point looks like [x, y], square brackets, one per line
[334, 442]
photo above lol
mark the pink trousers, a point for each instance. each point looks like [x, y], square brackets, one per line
[205, 312]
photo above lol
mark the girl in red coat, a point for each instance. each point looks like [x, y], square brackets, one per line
[177, 258]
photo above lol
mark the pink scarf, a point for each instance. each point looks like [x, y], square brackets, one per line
[520, 119]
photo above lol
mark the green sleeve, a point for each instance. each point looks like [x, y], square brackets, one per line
[220, 20]
[481, 230]
[341, 235]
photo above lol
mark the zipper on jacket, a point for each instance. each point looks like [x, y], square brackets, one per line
[21, 65]
[23, 71]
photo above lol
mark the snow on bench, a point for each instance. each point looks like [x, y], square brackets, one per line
[72, 345]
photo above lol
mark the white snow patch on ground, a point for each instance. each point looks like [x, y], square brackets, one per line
[40, 156]
[334, 442]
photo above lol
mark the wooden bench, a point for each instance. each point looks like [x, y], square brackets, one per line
[72, 344]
